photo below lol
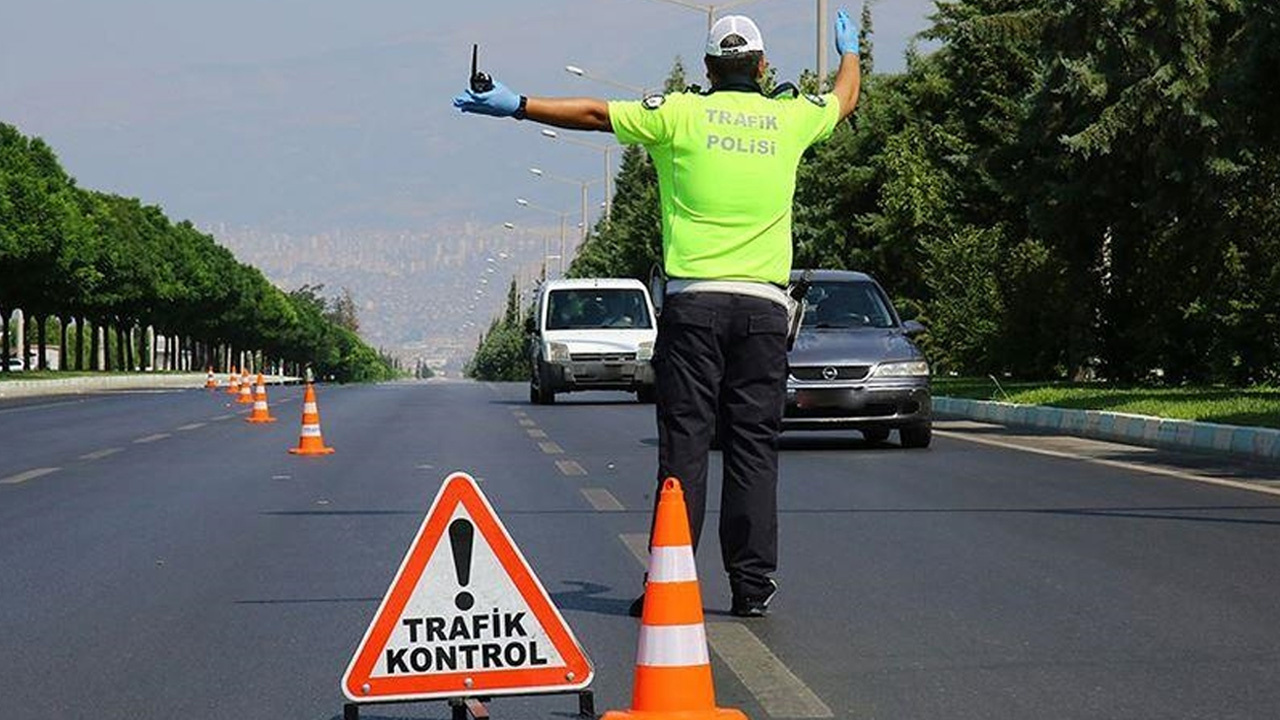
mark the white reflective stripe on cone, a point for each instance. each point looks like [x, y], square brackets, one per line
[672, 646]
[261, 390]
[672, 564]
[260, 405]
[310, 431]
[309, 408]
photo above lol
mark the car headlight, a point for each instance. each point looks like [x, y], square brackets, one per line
[645, 350]
[911, 368]
[557, 352]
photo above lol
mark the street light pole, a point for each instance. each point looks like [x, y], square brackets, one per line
[607, 150]
[822, 43]
[583, 184]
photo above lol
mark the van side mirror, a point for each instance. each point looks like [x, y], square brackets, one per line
[912, 327]
[529, 326]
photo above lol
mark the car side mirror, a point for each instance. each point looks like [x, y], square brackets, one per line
[912, 327]
[529, 326]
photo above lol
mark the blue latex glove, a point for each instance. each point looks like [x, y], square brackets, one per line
[846, 33]
[498, 102]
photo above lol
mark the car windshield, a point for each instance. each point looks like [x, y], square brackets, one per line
[622, 308]
[831, 305]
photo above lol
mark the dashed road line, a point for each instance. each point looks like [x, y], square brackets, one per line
[99, 454]
[41, 406]
[551, 448]
[150, 438]
[191, 426]
[222, 417]
[778, 690]
[638, 544]
[602, 500]
[570, 467]
[536, 433]
[774, 686]
[519, 413]
[1118, 464]
[527, 423]
[28, 475]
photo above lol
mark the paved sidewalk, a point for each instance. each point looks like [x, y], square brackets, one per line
[1258, 443]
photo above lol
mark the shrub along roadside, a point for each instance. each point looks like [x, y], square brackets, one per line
[1255, 406]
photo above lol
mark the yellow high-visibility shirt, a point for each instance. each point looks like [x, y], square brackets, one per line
[726, 165]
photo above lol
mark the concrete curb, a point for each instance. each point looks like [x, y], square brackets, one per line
[81, 385]
[1258, 443]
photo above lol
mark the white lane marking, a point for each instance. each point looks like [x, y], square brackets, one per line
[778, 690]
[570, 467]
[28, 475]
[602, 500]
[550, 448]
[150, 438]
[1118, 464]
[536, 433]
[222, 417]
[99, 454]
[638, 544]
[519, 413]
[527, 423]
[40, 406]
[191, 426]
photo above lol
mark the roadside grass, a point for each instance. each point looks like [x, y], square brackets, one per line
[1255, 406]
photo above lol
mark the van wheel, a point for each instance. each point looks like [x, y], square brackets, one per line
[541, 393]
[916, 436]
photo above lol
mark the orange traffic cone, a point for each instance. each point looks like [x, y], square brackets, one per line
[673, 669]
[233, 384]
[261, 413]
[246, 390]
[311, 442]
[210, 382]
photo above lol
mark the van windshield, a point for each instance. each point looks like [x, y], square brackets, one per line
[621, 308]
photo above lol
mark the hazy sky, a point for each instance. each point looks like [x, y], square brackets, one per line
[309, 115]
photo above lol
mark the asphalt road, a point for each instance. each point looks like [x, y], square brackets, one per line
[161, 558]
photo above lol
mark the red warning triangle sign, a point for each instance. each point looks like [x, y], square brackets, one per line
[465, 615]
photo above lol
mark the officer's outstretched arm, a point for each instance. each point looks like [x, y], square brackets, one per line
[570, 113]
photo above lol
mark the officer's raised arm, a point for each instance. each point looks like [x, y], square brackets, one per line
[849, 76]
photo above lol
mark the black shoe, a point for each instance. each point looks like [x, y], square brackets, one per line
[637, 607]
[754, 606]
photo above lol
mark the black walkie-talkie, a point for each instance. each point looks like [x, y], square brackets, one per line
[480, 82]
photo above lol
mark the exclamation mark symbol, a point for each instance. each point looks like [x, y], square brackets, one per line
[461, 532]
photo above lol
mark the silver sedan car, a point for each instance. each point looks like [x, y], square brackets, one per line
[854, 365]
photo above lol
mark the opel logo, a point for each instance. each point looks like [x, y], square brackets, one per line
[829, 373]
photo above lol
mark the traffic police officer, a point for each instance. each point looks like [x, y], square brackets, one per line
[726, 163]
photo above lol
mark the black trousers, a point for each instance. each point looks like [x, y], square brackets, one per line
[724, 356]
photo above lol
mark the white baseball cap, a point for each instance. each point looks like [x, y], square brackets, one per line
[739, 25]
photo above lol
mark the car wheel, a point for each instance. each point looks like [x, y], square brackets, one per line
[875, 435]
[647, 394]
[916, 436]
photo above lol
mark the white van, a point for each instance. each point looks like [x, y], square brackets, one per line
[592, 334]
